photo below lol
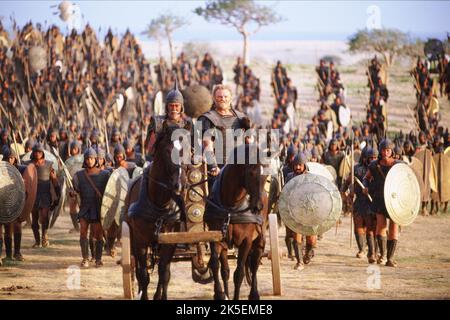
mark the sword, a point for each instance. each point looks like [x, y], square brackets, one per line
[362, 186]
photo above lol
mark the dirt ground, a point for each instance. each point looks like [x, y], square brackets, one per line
[335, 273]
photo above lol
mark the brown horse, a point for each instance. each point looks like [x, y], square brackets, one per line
[240, 209]
[159, 208]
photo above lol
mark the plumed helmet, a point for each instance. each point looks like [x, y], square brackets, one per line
[175, 96]
[300, 158]
[386, 144]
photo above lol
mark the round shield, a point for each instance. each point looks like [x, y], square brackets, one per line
[310, 204]
[30, 180]
[113, 200]
[195, 176]
[320, 169]
[332, 171]
[47, 155]
[12, 193]
[344, 115]
[402, 194]
[196, 196]
[74, 164]
[197, 100]
[195, 213]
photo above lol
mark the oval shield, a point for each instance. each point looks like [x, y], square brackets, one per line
[113, 200]
[310, 204]
[30, 180]
[402, 194]
[12, 193]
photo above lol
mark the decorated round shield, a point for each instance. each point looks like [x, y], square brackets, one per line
[47, 155]
[344, 115]
[74, 164]
[310, 204]
[12, 193]
[113, 200]
[402, 194]
[321, 170]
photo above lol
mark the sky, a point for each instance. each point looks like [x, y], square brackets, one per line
[302, 20]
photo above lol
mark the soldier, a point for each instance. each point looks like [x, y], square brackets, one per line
[75, 151]
[174, 117]
[374, 179]
[90, 184]
[43, 204]
[299, 167]
[131, 154]
[221, 116]
[363, 217]
[14, 227]
[333, 157]
[238, 70]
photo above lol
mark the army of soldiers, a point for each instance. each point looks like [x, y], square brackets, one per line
[203, 71]
[248, 89]
[51, 106]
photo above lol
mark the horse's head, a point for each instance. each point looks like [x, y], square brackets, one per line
[164, 159]
[253, 173]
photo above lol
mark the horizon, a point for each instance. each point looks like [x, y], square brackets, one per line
[303, 19]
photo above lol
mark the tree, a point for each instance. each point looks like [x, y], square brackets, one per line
[165, 24]
[155, 32]
[388, 42]
[239, 14]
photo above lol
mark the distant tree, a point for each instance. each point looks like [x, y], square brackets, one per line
[154, 31]
[165, 25]
[239, 14]
[390, 43]
[197, 49]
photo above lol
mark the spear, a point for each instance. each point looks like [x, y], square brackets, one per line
[353, 185]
